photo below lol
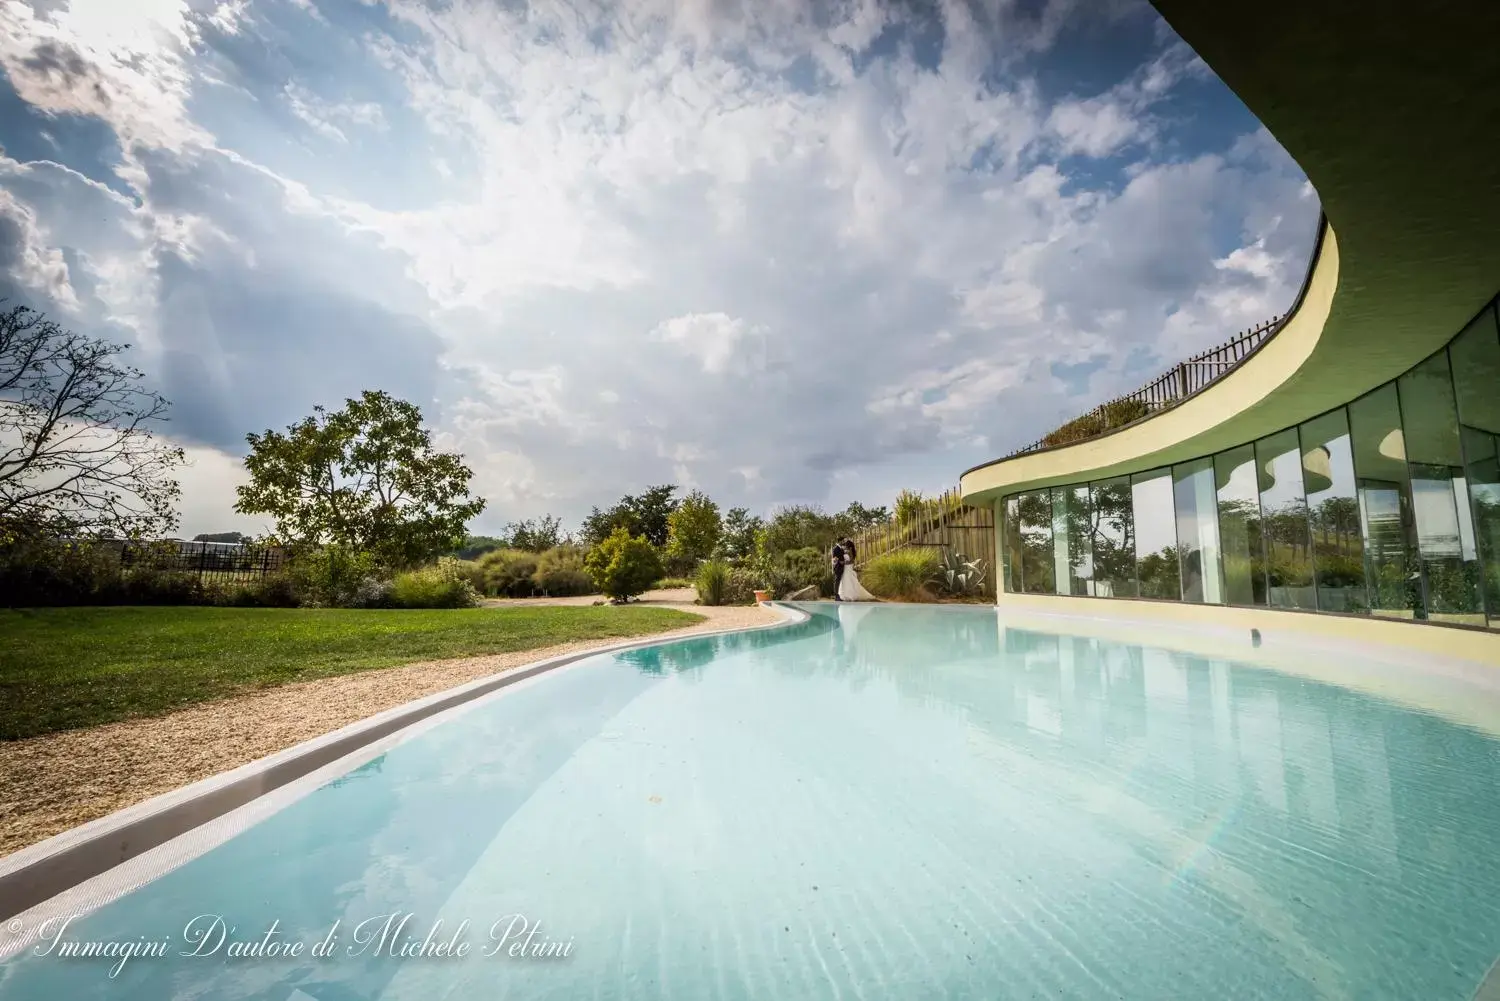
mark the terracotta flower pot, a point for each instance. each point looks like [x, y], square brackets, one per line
[762, 596]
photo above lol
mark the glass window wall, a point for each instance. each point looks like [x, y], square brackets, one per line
[1243, 569]
[1476, 378]
[1073, 564]
[1283, 519]
[1155, 535]
[1113, 538]
[1391, 568]
[1010, 544]
[1440, 494]
[1036, 543]
[1333, 514]
[1387, 506]
[1198, 531]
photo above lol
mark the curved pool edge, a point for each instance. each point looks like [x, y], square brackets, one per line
[64, 862]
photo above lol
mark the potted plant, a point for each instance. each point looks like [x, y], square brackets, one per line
[762, 596]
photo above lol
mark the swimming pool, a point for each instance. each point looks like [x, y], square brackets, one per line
[904, 802]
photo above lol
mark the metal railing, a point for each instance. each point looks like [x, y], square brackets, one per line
[1176, 384]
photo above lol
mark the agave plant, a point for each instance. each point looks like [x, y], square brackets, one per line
[960, 576]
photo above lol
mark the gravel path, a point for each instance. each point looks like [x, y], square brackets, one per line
[54, 783]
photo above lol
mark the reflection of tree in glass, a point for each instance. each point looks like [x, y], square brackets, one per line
[1487, 528]
[1159, 571]
[1113, 534]
[1037, 568]
[1288, 544]
[1338, 546]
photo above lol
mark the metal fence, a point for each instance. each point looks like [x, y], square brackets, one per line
[1176, 384]
[224, 561]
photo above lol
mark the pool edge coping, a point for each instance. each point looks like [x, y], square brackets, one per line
[37, 873]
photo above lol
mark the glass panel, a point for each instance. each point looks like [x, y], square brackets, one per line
[1333, 511]
[1439, 491]
[1010, 544]
[1476, 377]
[1071, 564]
[1081, 538]
[1283, 518]
[1036, 542]
[1395, 587]
[1198, 531]
[1113, 538]
[1239, 526]
[1155, 535]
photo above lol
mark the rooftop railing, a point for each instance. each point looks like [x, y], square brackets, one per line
[1176, 384]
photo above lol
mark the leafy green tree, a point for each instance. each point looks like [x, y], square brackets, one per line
[640, 514]
[366, 476]
[693, 530]
[737, 539]
[536, 536]
[77, 449]
[599, 525]
[652, 509]
[623, 565]
[798, 527]
[857, 518]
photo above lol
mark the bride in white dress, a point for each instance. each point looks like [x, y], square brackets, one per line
[850, 589]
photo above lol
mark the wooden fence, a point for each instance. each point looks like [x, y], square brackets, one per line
[944, 524]
[1178, 383]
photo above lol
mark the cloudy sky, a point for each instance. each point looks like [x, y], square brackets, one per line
[780, 250]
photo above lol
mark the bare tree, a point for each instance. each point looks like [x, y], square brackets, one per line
[77, 452]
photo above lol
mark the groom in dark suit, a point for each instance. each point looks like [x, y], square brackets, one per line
[837, 558]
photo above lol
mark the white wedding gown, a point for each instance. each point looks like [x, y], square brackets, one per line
[850, 589]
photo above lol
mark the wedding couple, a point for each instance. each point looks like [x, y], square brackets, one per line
[846, 585]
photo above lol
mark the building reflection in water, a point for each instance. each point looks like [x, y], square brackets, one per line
[1327, 818]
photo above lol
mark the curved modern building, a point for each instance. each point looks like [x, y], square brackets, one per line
[1343, 478]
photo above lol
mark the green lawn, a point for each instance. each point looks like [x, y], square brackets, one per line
[64, 668]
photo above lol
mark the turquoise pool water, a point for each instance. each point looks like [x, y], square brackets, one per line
[908, 803]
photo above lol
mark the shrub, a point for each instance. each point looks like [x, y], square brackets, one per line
[509, 573]
[808, 567]
[560, 573]
[330, 576]
[275, 590]
[442, 585]
[1116, 413]
[37, 570]
[902, 575]
[471, 571]
[148, 585]
[713, 582]
[959, 577]
[768, 573]
[908, 506]
[674, 583]
[623, 565]
[743, 583]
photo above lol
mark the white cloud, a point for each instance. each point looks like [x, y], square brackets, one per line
[36, 263]
[713, 339]
[1093, 127]
[321, 116]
